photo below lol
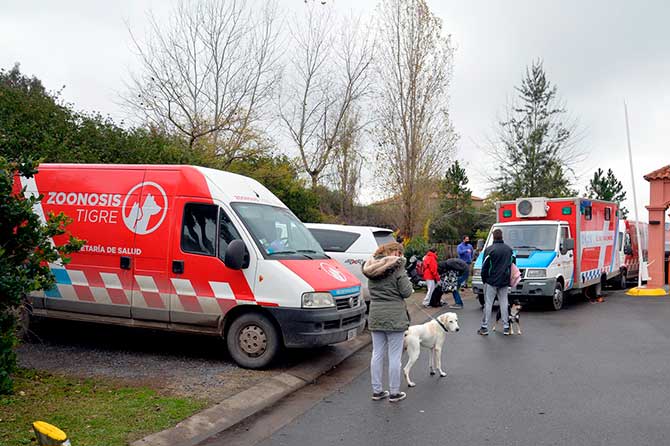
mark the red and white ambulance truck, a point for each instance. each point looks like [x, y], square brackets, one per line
[193, 249]
[561, 245]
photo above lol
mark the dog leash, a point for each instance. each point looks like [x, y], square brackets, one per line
[431, 316]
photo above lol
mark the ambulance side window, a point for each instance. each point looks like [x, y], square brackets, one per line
[587, 213]
[198, 234]
[608, 214]
[227, 232]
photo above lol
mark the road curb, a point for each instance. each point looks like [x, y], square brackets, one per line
[242, 405]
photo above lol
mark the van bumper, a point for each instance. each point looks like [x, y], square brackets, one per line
[314, 328]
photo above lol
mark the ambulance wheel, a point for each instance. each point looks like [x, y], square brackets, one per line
[556, 301]
[252, 341]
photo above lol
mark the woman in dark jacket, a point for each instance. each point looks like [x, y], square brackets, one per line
[388, 319]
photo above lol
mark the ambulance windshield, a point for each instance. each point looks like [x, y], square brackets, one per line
[529, 237]
[278, 233]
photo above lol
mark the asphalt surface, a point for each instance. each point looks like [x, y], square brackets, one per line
[591, 374]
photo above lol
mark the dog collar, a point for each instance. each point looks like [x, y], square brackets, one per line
[441, 325]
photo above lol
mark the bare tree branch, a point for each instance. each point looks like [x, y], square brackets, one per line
[209, 73]
[415, 137]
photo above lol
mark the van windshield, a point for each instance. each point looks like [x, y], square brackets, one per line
[277, 232]
[530, 237]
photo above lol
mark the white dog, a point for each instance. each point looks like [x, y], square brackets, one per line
[430, 335]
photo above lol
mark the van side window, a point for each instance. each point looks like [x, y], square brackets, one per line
[608, 214]
[198, 234]
[227, 232]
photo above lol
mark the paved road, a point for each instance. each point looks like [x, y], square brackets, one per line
[592, 374]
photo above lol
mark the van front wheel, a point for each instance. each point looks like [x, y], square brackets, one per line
[556, 301]
[253, 341]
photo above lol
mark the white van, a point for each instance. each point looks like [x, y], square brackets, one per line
[351, 245]
[192, 249]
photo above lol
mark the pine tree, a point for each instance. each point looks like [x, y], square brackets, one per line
[607, 187]
[535, 153]
[456, 212]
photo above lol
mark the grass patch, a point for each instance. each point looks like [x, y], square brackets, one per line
[91, 411]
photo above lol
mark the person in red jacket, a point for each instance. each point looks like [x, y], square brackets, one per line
[430, 274]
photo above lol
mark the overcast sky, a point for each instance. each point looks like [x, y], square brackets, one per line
[598, 53]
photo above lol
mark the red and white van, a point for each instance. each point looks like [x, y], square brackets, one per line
[193, 249]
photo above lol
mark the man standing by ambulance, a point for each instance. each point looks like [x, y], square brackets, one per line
[496, 272]
[465, 254]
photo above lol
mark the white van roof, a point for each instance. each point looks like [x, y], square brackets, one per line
[233, 187]
[350, 228]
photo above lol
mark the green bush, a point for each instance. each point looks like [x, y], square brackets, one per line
[417, 246]
[25, 253]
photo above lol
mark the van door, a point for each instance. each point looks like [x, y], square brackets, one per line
[567, 260]
[152, 218]
[204, 288]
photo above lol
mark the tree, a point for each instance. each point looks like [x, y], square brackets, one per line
[536, 151]
[35, 123]
[413, 130]
[26, 249]
[348, 164]
[326, 78]
[456, 215]
[209, 75]
[607, 187]
[31, 119]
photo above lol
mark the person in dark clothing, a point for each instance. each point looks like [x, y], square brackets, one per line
[465, 253]
[496, 271]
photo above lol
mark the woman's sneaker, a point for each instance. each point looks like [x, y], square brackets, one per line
[397, 397]
[456, 307]
[380, 395]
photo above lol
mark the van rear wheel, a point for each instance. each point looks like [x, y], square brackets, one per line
[253, 341]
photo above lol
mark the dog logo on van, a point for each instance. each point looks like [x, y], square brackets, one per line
[333, 272]
[138, 211]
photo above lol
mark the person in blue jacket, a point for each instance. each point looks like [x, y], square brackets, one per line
[465, 251]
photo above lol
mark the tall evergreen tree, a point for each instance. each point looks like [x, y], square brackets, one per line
[535, 153]
[456, 215]
[607, 187]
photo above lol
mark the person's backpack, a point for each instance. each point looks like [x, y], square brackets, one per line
[419, 268]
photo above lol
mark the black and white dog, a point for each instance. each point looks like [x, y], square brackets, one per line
[514, 312]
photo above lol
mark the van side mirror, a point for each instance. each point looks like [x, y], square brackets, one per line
[237, 256]
[567, 245]
[480, 244]
[628, 250]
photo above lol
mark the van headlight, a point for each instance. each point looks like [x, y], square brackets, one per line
[536, 273]
[317, 300]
